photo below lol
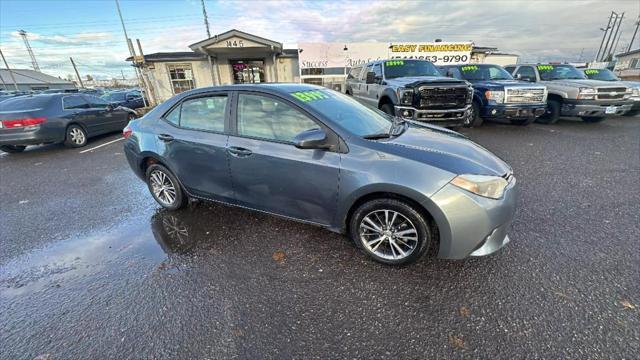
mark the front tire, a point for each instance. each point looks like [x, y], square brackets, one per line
[593, 119]
[165, 188]
[476, 120]
[388, 108]
[390, 231]
[76, 137]
[552, 114]
[13, 149]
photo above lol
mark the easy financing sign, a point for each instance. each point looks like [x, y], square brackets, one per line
[334, 55]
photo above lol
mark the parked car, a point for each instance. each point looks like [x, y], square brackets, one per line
[129, 99]
[572, 94]
[608, 75]
[59, 91]
[318, 156]
[51, 118]
[412, 89]
[496, 95]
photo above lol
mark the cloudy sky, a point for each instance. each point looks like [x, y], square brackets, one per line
[90, 31]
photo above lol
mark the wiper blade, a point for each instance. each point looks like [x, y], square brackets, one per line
[377, 136]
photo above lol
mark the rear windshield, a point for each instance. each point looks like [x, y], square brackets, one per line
[26, 103]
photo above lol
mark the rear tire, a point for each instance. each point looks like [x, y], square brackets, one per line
[552, 114]
[523, 122]
[390, 231]
[13, 149]
[593, 119]
[388, 108]
[165, 188]
[75, 137]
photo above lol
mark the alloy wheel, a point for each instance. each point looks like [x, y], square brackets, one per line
[388, 234]
[162, 187]
[77, 136]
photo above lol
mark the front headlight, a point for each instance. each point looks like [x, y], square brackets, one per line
[405, 96]
[635, 92]
[488, 186]
[587, 93]
[495, 95]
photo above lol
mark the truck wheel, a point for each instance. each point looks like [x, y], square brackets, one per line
[12, 149]
[552, 114]
[632, 113]
[592, 119]
[476, 120]
[523, 122]
[388, 108]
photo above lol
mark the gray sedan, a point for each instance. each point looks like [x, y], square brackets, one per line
[314, 155]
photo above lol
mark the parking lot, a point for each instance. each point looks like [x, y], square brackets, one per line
[90, 267]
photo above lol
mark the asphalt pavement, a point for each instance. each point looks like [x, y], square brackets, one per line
[90, 267]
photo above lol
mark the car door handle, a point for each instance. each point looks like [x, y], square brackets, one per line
[165, 137]
[239, 151]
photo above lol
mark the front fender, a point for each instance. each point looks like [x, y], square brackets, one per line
[390, 94]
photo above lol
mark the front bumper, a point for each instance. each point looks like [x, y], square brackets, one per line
[512, 111]
[472, 225]
[31, 135]
[449, 117]
[595, 107]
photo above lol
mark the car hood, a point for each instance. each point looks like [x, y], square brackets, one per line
[581, 83]
[500, 83]
[446, 150]
[411, 81]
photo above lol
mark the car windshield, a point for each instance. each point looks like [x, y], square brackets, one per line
[25, 103]
[114, 96]
[348, 113]
[559, 72]
[484, 72]
[405, 68]
[601, 74]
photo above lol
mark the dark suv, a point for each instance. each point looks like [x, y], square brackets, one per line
[412, 89]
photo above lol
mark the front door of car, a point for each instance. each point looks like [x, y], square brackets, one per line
[269, 173]
[76, 109]
[111, 119]
[192, 142]
[373, 89]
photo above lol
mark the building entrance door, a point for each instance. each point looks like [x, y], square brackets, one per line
[247, 71]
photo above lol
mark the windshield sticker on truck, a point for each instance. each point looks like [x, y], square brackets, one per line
[310, 95]
[394, 63]
[591, 71]
[469, 68]
[545, 67]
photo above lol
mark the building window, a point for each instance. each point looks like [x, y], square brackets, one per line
[181, 77]
[635, 64]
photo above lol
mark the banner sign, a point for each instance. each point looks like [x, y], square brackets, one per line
[337, 55]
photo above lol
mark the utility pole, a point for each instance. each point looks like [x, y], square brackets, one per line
[77, 74]
[206, 20]
[634, 34]
[13, 78]
[615, 35]
[139, 73]
[605, 30]
[122, 72]
[34, 63]
[606, 45]
[145, 77]
[131, 51]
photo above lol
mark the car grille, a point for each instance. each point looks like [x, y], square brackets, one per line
[520, 95]
[610, 93]
[433, 97]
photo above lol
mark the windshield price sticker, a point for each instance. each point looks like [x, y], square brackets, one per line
[469, 68]
[394, 63]
[591, 71]
[545, 67]
[311, 95]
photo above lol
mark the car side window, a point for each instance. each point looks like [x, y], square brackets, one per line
[526, 73]
[377, 69]
[96, 102]
[271, 119]
[510, 69]
[204, 113]
[174, 116]
[363, 75]
[354, 73]
[74, 102]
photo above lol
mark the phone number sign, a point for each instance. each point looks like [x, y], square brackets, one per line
[439, 53]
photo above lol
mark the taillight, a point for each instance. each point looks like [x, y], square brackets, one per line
[126, 132]
[17, 123]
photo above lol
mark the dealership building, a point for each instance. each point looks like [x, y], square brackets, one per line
[235, 57]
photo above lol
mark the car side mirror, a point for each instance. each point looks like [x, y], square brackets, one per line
[311, 139]
[518, 77]
[371, 77]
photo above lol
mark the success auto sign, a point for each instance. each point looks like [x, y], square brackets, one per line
[336, 55]
[438, 53]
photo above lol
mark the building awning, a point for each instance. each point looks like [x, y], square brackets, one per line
[172, 56]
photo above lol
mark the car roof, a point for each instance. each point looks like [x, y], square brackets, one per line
[276, 88]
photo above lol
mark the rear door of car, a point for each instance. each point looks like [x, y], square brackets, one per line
[76, 109]
[268, 172]
[192, 138]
